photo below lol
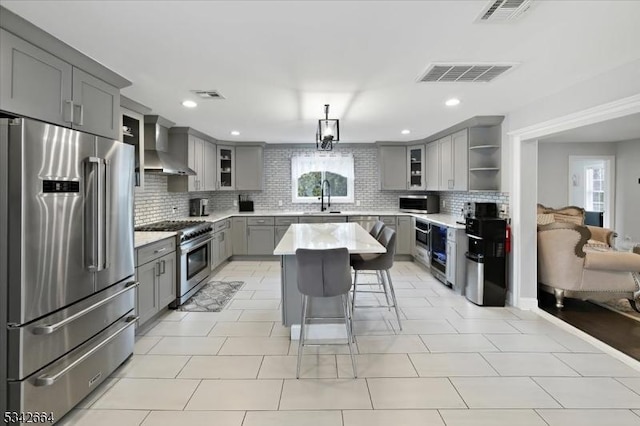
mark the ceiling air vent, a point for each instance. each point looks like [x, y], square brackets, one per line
[465, 73]
[504, 10]
[208, 94]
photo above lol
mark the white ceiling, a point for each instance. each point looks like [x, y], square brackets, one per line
[278, 63]
[620, 129]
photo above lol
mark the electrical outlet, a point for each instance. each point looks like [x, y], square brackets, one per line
[175, 209]
[235, 203]
[504, 209]
[357, 203]
[444, 204]
[280, 203]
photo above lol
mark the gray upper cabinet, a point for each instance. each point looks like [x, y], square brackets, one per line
[460, 159]
[433, 166]
[33, 82]
[249, 168]
[226, 168]
[96, 105]
[392, 163]
[416, 169]
[191, 147]
[37, 84]
[446, 163]
[209, 166]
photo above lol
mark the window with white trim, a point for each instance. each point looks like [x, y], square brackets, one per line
[594, 189]
[309, 171]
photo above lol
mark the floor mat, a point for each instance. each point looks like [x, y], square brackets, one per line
[213, 297]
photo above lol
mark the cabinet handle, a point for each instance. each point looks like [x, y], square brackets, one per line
[68, 111]
[159, 250]
[164, 266]
[80, 115]
[451, 183]
[156, 269]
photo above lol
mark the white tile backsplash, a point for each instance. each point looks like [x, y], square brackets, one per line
[156, 203]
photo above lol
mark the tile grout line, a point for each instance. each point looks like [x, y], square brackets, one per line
[192, 394]
[458, 392]
[546, 391]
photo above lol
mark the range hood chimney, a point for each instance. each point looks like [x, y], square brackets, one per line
[157, 158]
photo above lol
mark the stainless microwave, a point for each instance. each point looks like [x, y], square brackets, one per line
[419, 204]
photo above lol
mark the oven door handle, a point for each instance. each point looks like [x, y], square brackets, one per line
[52, 328]
[422, 231]
[474, 237]
[184, 250]
[48, 380]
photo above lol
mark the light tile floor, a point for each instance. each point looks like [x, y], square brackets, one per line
[453, 364]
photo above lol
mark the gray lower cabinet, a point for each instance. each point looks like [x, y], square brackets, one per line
[260, 239]
[456, 272]
[156, 274]
[36, 84]
[280, 230]
[404, 230]
[239, 236]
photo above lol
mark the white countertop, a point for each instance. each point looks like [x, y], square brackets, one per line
[444, 219]
[142, 238]
[326, 236]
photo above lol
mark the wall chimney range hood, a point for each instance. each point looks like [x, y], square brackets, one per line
[157, 157]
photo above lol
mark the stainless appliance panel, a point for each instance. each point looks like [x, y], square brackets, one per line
[419, 204]
[47, 339]
[475, 281]
[47, 228]
[194, 267]
[117, 225]
[59, 387]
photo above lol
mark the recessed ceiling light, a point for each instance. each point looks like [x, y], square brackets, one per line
[189, 104]
[405, 131]
[452, 102]
[235, 133]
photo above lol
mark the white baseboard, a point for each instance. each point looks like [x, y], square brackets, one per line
[320, 332]
[527, 303]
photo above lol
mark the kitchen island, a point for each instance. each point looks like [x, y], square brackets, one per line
[317, 236]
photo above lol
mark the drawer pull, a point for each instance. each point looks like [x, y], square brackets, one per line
[48, 380]
[160, 250]
[52, 328]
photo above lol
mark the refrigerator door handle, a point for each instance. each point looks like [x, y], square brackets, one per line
[92, 219]
[107, 214]
[52, 328]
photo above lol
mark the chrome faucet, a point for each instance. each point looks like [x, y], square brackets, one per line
[322, 207]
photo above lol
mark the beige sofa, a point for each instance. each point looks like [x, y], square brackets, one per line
[566, 268]
[599, 236]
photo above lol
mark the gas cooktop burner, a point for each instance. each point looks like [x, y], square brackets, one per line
[170, 225]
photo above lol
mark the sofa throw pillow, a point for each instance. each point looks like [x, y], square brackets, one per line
[559, 217]
[545, 219]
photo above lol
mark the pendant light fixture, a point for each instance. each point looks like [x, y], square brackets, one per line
[328, 132]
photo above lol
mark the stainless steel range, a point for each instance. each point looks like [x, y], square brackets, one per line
[194, 254]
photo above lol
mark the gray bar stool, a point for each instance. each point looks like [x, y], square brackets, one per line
[324, 273]
[381, 264]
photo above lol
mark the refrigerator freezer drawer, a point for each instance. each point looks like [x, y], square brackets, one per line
[37, 344]
[59, 387]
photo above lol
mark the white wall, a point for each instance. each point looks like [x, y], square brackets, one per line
[628, 190]
[553, 168]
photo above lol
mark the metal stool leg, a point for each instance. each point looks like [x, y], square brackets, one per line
[393, 296]
[348, 325]
[384, 287]
[302, 327]
[353, 298]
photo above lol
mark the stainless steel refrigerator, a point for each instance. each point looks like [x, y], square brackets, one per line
[67, 288]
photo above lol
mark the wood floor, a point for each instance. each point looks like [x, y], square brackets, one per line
[616, 330]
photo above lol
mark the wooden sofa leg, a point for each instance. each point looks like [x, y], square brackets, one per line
[559, 297]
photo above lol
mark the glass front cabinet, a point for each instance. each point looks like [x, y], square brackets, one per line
[226, 166]
[416, 167]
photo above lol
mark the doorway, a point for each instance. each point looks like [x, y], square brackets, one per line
[592, 187]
